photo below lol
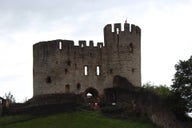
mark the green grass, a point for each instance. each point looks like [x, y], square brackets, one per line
[82, 119]
[14, 119]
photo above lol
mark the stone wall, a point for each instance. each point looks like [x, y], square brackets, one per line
[131, 102]
[59, 66]
[2, 106]
[46, 104]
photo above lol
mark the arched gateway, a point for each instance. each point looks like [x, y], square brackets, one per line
[91, 95]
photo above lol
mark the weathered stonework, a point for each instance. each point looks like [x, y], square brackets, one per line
[59, 66]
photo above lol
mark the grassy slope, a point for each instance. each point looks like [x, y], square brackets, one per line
[71, 120]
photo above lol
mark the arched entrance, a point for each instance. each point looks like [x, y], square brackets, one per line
[91, 95]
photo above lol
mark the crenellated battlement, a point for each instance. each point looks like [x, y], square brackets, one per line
[131, 28]
[115, 35]
[109, 34]
[65, 44]
[82, 43]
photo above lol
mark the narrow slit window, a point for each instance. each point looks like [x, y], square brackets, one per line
[75, 66]
[98, 71]
[111, 71]
[66, 71]
[78, 86]
[60, 45]
[117, 29]
[133, 70]
[67, 88]
[85, 70]
[131, 48]
[69, 63]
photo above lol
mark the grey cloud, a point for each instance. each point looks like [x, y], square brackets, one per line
[43, 15]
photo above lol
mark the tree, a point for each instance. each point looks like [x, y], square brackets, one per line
[162, 90]
[182, 85]
[172, 99]
[9, 97]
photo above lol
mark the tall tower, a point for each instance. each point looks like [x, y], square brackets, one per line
[124, 50]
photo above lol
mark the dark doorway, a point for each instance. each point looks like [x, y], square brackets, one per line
[91, 95]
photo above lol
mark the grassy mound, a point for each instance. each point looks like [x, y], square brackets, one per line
[80, 119]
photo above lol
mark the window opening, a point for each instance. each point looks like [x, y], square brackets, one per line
[68, 62]
[131, 48]
[1, 101]
[117, 30]
[48, 80]
[60, 45]
[85, 70]
[66, 71]
[111, 71]
[133, 70]
[78, 86]
[67, 88]
[98, 72]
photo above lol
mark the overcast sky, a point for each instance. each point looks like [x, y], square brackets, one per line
[165, 24]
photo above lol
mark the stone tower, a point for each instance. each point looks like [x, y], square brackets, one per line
[59, 66]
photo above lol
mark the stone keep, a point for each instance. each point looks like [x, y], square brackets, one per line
[59, 66]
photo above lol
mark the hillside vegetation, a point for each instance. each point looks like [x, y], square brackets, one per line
[80, 119]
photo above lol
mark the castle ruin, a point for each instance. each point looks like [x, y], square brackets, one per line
[59, 66]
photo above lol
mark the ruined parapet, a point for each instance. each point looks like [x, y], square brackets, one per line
[126, 101]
